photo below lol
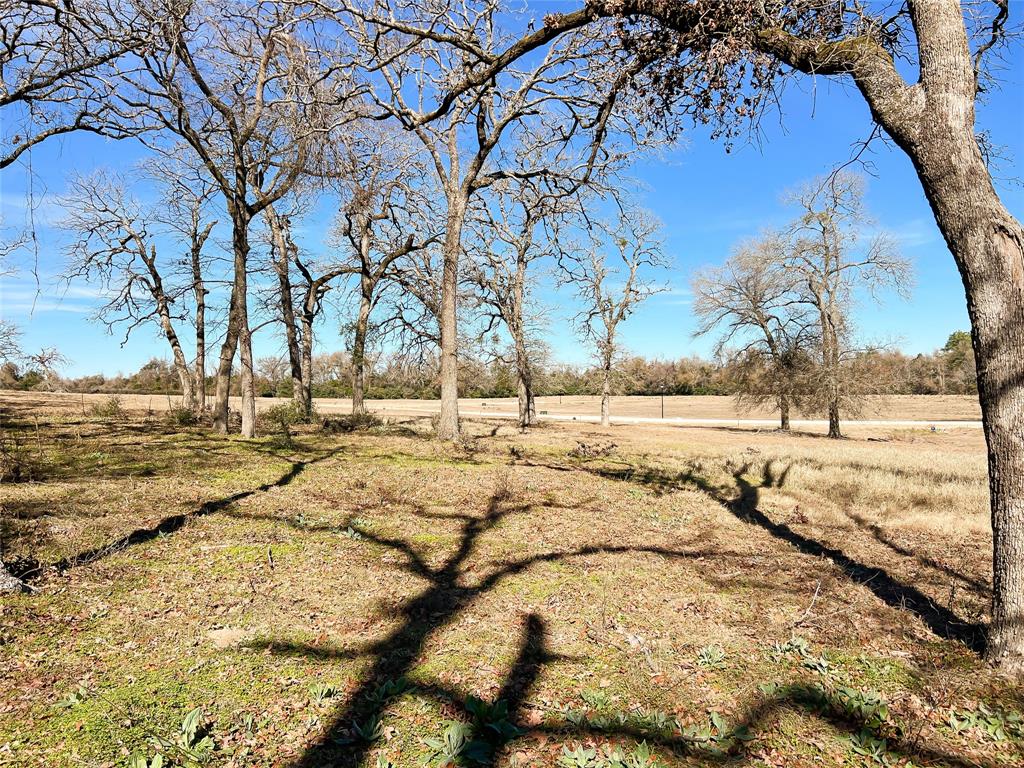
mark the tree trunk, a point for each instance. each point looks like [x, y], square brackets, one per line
[306, 382]
[606, 394]
[359, 348]
[227, 356]
[282, 266]
[784, 412]
[188, 398]
[240, 246]
[988, 246]
[200, 365]
[527, 408]
[448, 419]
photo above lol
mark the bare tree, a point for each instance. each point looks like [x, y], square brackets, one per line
[827, 264]
[418, 48]
[184, 210]
[116, 246]
[611, 287]
[510, 237]
[386, 209]
[750, 301]
[254, 91]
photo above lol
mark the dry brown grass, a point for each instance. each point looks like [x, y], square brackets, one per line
[575, 590]
[894, 407]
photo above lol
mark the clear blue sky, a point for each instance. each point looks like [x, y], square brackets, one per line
[707, 199]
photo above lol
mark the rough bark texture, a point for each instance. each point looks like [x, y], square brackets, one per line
[282, 266]
[448, 419]
[240, 241]
[606, 393]
[359, 347]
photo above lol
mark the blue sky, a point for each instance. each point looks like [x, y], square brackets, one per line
[707, 199]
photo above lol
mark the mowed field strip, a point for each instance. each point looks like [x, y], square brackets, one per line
[905, 411]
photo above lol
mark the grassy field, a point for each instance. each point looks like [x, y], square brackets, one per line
[894, 407]
[573, 596]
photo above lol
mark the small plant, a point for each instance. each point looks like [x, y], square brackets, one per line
[282, 417]
[191, 747]
[996, 724]
[111, 408]
[580, 757]
[369, 730]
[867, 744]
[457, 747]
[711, 657]
[867, 707]
[17, 463]
[795, 646]
[596, 699]
[74, 698]
[321, 692]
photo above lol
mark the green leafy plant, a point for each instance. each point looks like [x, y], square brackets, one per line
[997, 725]
[457, 747]
[370, 729]
[867, 744]
[867, 707]
[191, 747]
[321, 692]
[579, 757]
[596, 699]
[711, 657]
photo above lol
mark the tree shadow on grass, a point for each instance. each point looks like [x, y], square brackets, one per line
[170, 524]
[452, 585]
[742, 500]
[489, 726]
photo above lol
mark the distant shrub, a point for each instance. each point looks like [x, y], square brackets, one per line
[181, 416]
[111, 408]
[356, 422]
[282, 417]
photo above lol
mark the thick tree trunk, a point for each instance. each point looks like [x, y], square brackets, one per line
[448, 420]
[359, 348]
[227, 356]
[240, 294]
[988, 246]
[784, 412]
[606, 394]
[527, 407]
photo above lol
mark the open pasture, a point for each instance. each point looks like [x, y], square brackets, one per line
[711, 596]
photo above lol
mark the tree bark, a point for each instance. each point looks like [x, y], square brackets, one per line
[306, 365]
[282, 266]
[359, 347]
[448, 419]
[199, 289]
[987, 244]
[227, 356]
[606, 393]
[784, 412]
[247, 377]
